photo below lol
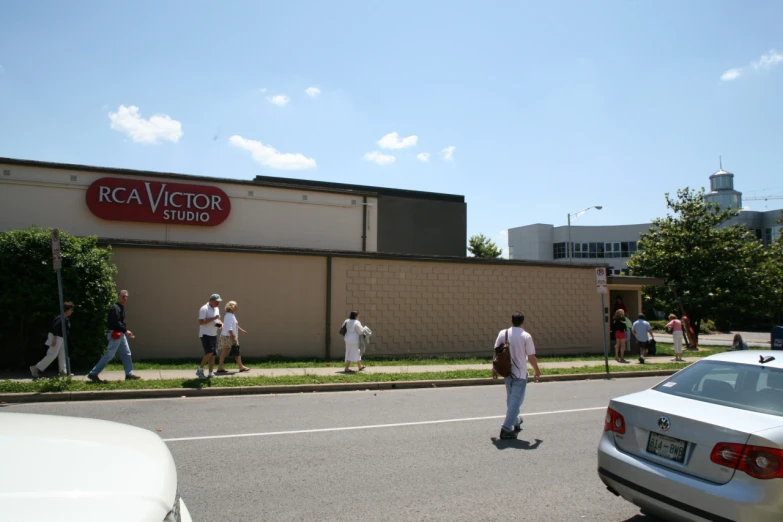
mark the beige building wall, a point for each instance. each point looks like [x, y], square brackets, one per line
[458, 308]
[413, 307]
[281, 300]
[271, 216]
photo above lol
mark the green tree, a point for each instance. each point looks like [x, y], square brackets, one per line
[481, 246]
[717, 271]
[29, 300]
[773, 274]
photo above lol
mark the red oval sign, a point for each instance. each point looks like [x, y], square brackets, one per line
[121, 199]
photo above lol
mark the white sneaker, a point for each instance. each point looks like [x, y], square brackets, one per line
[212, 374]
[34, 371]
[200, 373]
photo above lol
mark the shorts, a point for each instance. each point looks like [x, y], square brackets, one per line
[620, 335]
[644, 345]
[225, 342]
[209, 343]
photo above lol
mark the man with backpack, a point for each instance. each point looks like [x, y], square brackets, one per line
[513, 349]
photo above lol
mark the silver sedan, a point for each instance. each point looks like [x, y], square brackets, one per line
[705, 444]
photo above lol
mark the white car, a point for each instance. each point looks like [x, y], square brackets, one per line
[705, 444]
[72, 469]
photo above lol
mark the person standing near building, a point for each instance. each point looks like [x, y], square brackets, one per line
[619, 304]
[628, 338]
[209, 322]
[353, 331]
[229, 339]
[118, 341]
[58, 334]
[522, 350]
[618, 329]
[642, 331]
[675, 327]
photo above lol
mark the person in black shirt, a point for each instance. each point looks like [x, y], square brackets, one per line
[118, 340]
[55, 342]
[618, 329]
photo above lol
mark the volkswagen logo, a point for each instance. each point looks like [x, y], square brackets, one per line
[664, 423]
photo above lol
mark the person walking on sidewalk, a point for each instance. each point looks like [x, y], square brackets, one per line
[209, 322]
[642, 331]
[675, 327]
[229, 338]
[618, 328]
[353, 330]
[58, 333]
[118, 341]
[522, 350]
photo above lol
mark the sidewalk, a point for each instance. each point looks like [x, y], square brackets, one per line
[754, 339]
[281, 372]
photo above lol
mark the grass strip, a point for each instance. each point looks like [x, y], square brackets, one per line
[58, 384]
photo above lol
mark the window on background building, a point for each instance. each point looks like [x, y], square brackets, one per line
[758, 234]
[632, 247]
[585, 250]
[577, 250]
[593, 250]
[624, 249]
[559, 250]
[600, 248]
[768, 237]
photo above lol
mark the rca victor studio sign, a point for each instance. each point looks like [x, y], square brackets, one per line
[120, 199]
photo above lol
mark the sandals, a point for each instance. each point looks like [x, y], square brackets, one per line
[245, 369]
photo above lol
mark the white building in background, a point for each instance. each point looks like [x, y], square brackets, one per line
[616, 244]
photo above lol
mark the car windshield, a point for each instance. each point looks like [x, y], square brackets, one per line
[751, 387]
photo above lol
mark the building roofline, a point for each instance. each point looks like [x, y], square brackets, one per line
[216, 247]
[379, 190]
[290, 184]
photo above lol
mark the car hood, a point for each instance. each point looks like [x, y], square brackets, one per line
[66, 468]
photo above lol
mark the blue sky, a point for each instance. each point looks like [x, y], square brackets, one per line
[550, 107]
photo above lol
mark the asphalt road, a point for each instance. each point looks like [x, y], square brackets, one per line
[399, 459]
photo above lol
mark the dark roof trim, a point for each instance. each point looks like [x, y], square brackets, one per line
[401, 193]
[635, 280]
[213, 247]
[290, 184]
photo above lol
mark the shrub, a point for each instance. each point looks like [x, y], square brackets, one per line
[29, 300]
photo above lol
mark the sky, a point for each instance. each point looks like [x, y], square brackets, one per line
[531, 110]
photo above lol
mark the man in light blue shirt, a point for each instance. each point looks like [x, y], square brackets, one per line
[642, 331]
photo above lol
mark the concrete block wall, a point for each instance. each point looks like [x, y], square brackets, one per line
[418, 308]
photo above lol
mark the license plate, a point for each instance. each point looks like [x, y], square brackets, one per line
[667, 447]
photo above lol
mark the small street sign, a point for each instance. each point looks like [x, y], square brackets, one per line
[600, 280]
[56, 254]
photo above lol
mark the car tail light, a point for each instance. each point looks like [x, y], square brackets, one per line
[756, 461]
[614, 422]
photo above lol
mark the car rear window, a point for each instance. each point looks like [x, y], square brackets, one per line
[751, 387]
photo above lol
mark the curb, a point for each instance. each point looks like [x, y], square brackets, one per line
[173, 393]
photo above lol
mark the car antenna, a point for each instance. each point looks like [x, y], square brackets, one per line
[765, 360]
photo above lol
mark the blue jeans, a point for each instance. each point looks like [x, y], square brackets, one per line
[120, 344]
[515, 395]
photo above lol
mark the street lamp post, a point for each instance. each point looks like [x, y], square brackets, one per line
[577, 215]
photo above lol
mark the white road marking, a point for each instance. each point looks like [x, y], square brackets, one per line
[372, 427]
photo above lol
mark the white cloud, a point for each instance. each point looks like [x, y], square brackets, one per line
[393, 141]
[731, 74]
[278, 99]
[423, 156]
[313, 91]
[768, 60]
[448, 153]
[263, 89]
[158, 127]
[270, 157]
[380, 159]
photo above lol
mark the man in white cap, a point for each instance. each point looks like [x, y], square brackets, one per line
[209, 322]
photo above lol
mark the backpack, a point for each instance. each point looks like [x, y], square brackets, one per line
[502, 360]
[344, 329]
